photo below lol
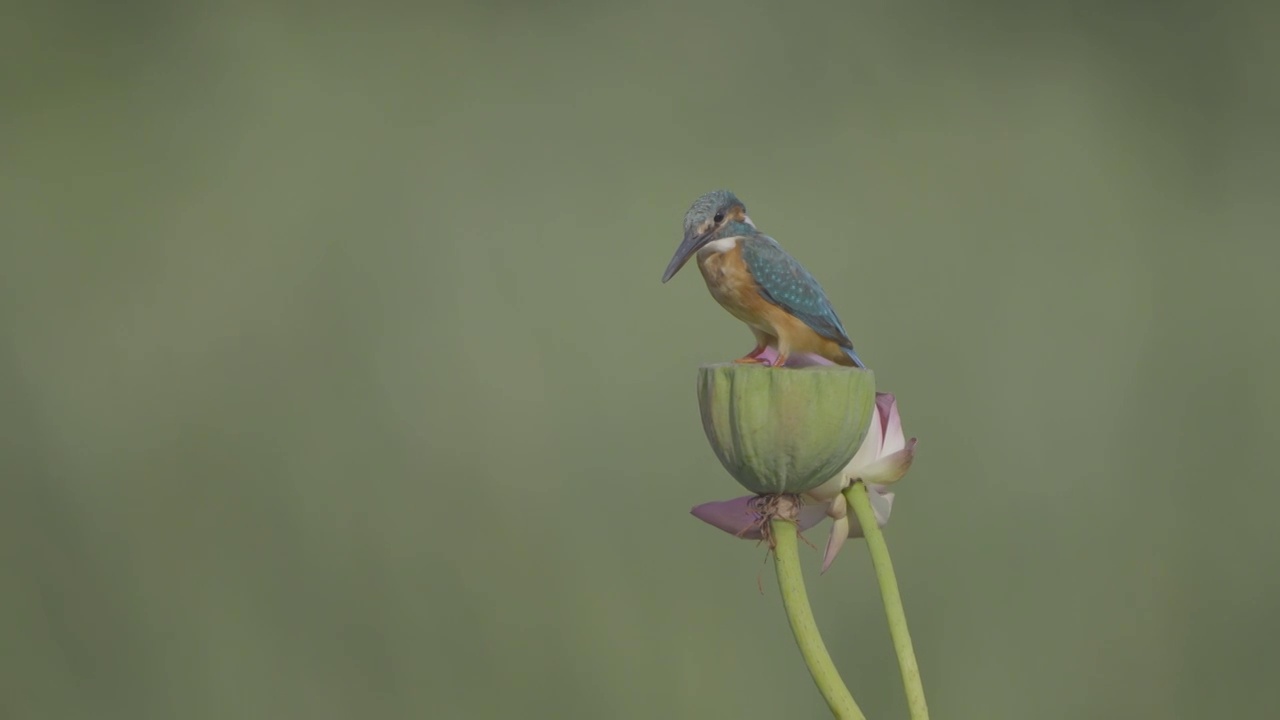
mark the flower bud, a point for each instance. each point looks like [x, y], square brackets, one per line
[784, 430]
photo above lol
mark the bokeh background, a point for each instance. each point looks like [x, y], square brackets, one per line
[336, 378]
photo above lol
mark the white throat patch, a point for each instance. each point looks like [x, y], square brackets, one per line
[721, 245]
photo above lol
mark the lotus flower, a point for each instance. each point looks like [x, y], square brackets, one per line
[883, 458]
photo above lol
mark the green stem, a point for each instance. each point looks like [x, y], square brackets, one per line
[796, 601]
[856, 495]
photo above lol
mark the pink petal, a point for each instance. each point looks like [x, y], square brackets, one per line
[811, 514]
[867, 453]
[890, 468]
[807, 360]
[770, 355]
[738, 516]
[887, 407]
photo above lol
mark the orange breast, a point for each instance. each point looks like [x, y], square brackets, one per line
[733, 287]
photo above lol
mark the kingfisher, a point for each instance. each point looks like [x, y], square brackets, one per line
[752, 277]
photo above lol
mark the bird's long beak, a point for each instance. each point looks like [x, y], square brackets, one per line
[692, 242]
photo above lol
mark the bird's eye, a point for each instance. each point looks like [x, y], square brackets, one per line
[719, 217]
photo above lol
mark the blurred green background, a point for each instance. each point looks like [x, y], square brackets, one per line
[336, 378]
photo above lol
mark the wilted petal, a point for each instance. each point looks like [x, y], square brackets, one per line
[837, 508]
[848, 526]
[811, 514]
[890, 468]
[740, 518]
[881, 504]
[887, 409]
[835, 541]
[736, 517]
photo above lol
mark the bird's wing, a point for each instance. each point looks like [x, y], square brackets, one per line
[786, 283]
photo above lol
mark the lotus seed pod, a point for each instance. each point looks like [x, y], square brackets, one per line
[784, 430]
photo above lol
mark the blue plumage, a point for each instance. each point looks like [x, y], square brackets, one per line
[753, 278]
[785, 283]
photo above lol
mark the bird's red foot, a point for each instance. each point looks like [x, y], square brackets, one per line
[753, 356]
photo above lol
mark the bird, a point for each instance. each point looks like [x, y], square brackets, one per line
[752, 277]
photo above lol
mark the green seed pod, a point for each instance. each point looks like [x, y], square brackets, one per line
[784, 430]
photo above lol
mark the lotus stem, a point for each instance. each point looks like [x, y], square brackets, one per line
[856, 495]
[796, 601]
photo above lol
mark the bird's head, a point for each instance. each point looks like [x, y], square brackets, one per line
[718, 214]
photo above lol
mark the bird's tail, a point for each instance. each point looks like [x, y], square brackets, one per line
[857, 361]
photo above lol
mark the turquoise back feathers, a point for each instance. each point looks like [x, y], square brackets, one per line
[753, 278]
[785, 283]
